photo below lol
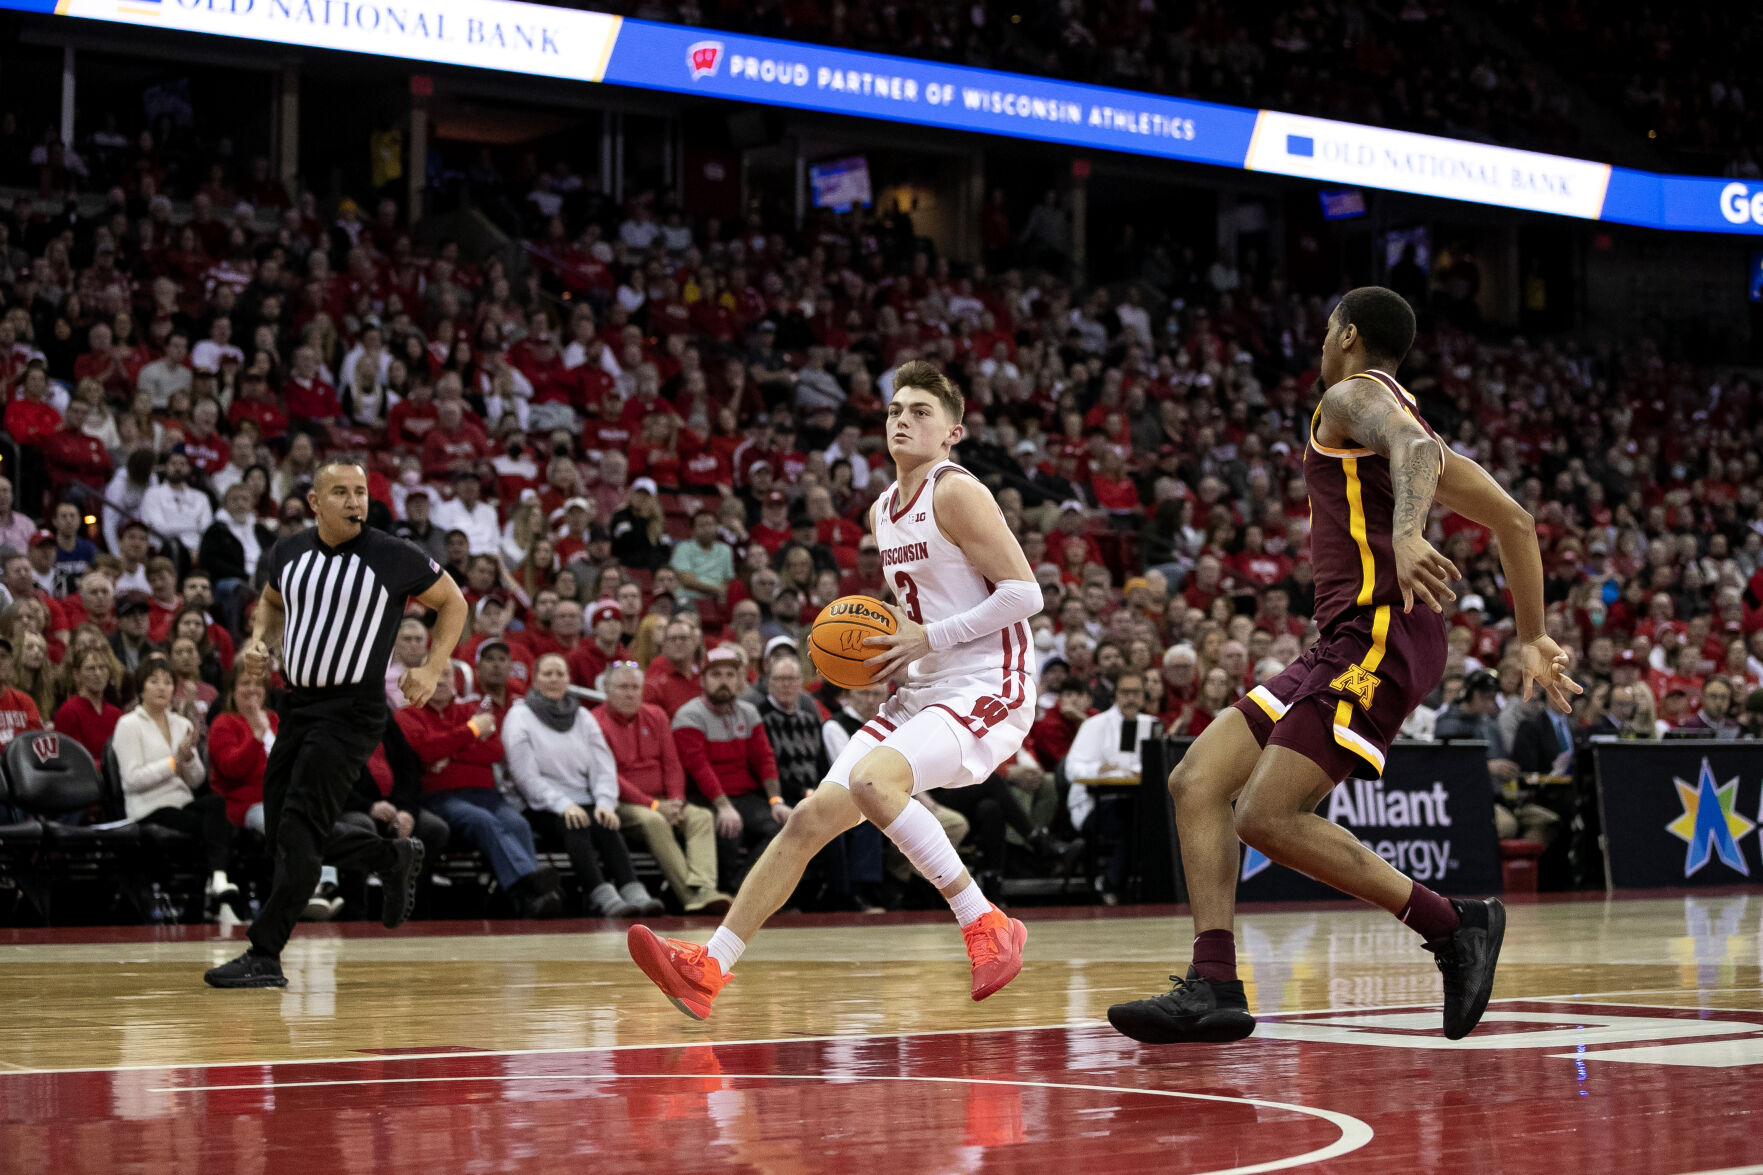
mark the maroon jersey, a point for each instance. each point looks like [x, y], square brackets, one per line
[1351, 508]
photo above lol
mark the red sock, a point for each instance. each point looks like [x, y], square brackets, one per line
[1215, 955]
[1429, 915]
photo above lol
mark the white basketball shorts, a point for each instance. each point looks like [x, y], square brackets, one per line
[953, 733]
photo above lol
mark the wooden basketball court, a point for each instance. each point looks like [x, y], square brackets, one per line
[1625, 1036]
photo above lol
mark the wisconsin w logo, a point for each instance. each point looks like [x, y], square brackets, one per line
[46, 747]
[1359, 682]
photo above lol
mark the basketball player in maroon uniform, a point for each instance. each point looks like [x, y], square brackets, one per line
[1373, 467]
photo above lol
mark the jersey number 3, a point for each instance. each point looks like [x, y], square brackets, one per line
[908, 593]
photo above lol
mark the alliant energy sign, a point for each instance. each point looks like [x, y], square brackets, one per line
[1431, 816]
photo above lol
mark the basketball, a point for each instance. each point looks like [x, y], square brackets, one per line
[836, 641]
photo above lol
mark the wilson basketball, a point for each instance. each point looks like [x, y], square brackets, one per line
[835, 643]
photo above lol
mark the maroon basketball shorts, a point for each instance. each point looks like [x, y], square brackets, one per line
[1342, 703]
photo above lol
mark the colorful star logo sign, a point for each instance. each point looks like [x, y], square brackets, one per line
[1254, 861]
[1709, 825]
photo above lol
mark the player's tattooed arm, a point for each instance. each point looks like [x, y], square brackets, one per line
[1365, 412]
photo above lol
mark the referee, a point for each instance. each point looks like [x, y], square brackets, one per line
[335, 595]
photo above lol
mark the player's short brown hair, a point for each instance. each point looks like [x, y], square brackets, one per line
[928, 377]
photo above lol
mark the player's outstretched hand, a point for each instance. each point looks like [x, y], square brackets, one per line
[254, 658]
[1545, 665]
[909, 642]
[1422, 571]
[418, 685]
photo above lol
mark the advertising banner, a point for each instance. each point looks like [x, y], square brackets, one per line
[545, 41]
[1680, 813]
[1431, 816]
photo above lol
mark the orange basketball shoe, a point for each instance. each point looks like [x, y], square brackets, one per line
[994, 943]
[684, 971]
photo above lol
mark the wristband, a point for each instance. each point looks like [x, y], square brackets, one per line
[174, 764]
[654, 805]
[776, 799]
[471, 724]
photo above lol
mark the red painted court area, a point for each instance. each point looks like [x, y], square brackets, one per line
[1542, 1087]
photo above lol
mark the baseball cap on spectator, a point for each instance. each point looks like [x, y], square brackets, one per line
[645, 485]
[130, 603]
[767, 324]
[751, 466]
[1472, 603]
[1733, 626]
[777, 642]
[499, 598]
[1071, 504]
[722, 654]
[1479, 682]
[41, 537]
[1598, 547]
[1026, 447]
[777, 498]
[867, 543]
[604, 609]
[492, 643]
[1676, 628]
[1625, 657]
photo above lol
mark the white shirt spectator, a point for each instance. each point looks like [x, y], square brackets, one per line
[208, 355]
[134, 581]
[553, 770]
[482, 531]
[1095, 754]
[639, 232]
[161, 378]
[354, 357]
[177, 512]
[859, 464]
[1135, 320]
[151, 780]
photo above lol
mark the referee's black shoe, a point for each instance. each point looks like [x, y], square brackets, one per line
[1194, 1011]
[398, 884]
[248, 970]
[1466, 960]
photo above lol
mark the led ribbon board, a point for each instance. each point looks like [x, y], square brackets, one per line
[571, 44]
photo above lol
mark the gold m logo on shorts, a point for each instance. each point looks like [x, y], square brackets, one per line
[1359, 682]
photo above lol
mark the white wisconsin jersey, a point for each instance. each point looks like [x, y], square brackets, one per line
[933, 580]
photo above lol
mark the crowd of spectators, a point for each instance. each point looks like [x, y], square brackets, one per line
[646, 454]
[1675, 74]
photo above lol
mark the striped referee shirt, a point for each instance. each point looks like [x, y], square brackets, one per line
[343, 604]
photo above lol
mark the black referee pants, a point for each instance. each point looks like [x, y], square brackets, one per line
[323, 742]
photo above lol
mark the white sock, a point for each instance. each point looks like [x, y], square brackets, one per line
[218, 883]
[726, 948]
[327, 875]
[917, 834]
[970, 905]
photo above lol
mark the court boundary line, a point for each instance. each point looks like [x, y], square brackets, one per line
[8, 1069]
[1355, 1133]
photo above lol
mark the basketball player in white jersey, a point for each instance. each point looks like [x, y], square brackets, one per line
[964, 706]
